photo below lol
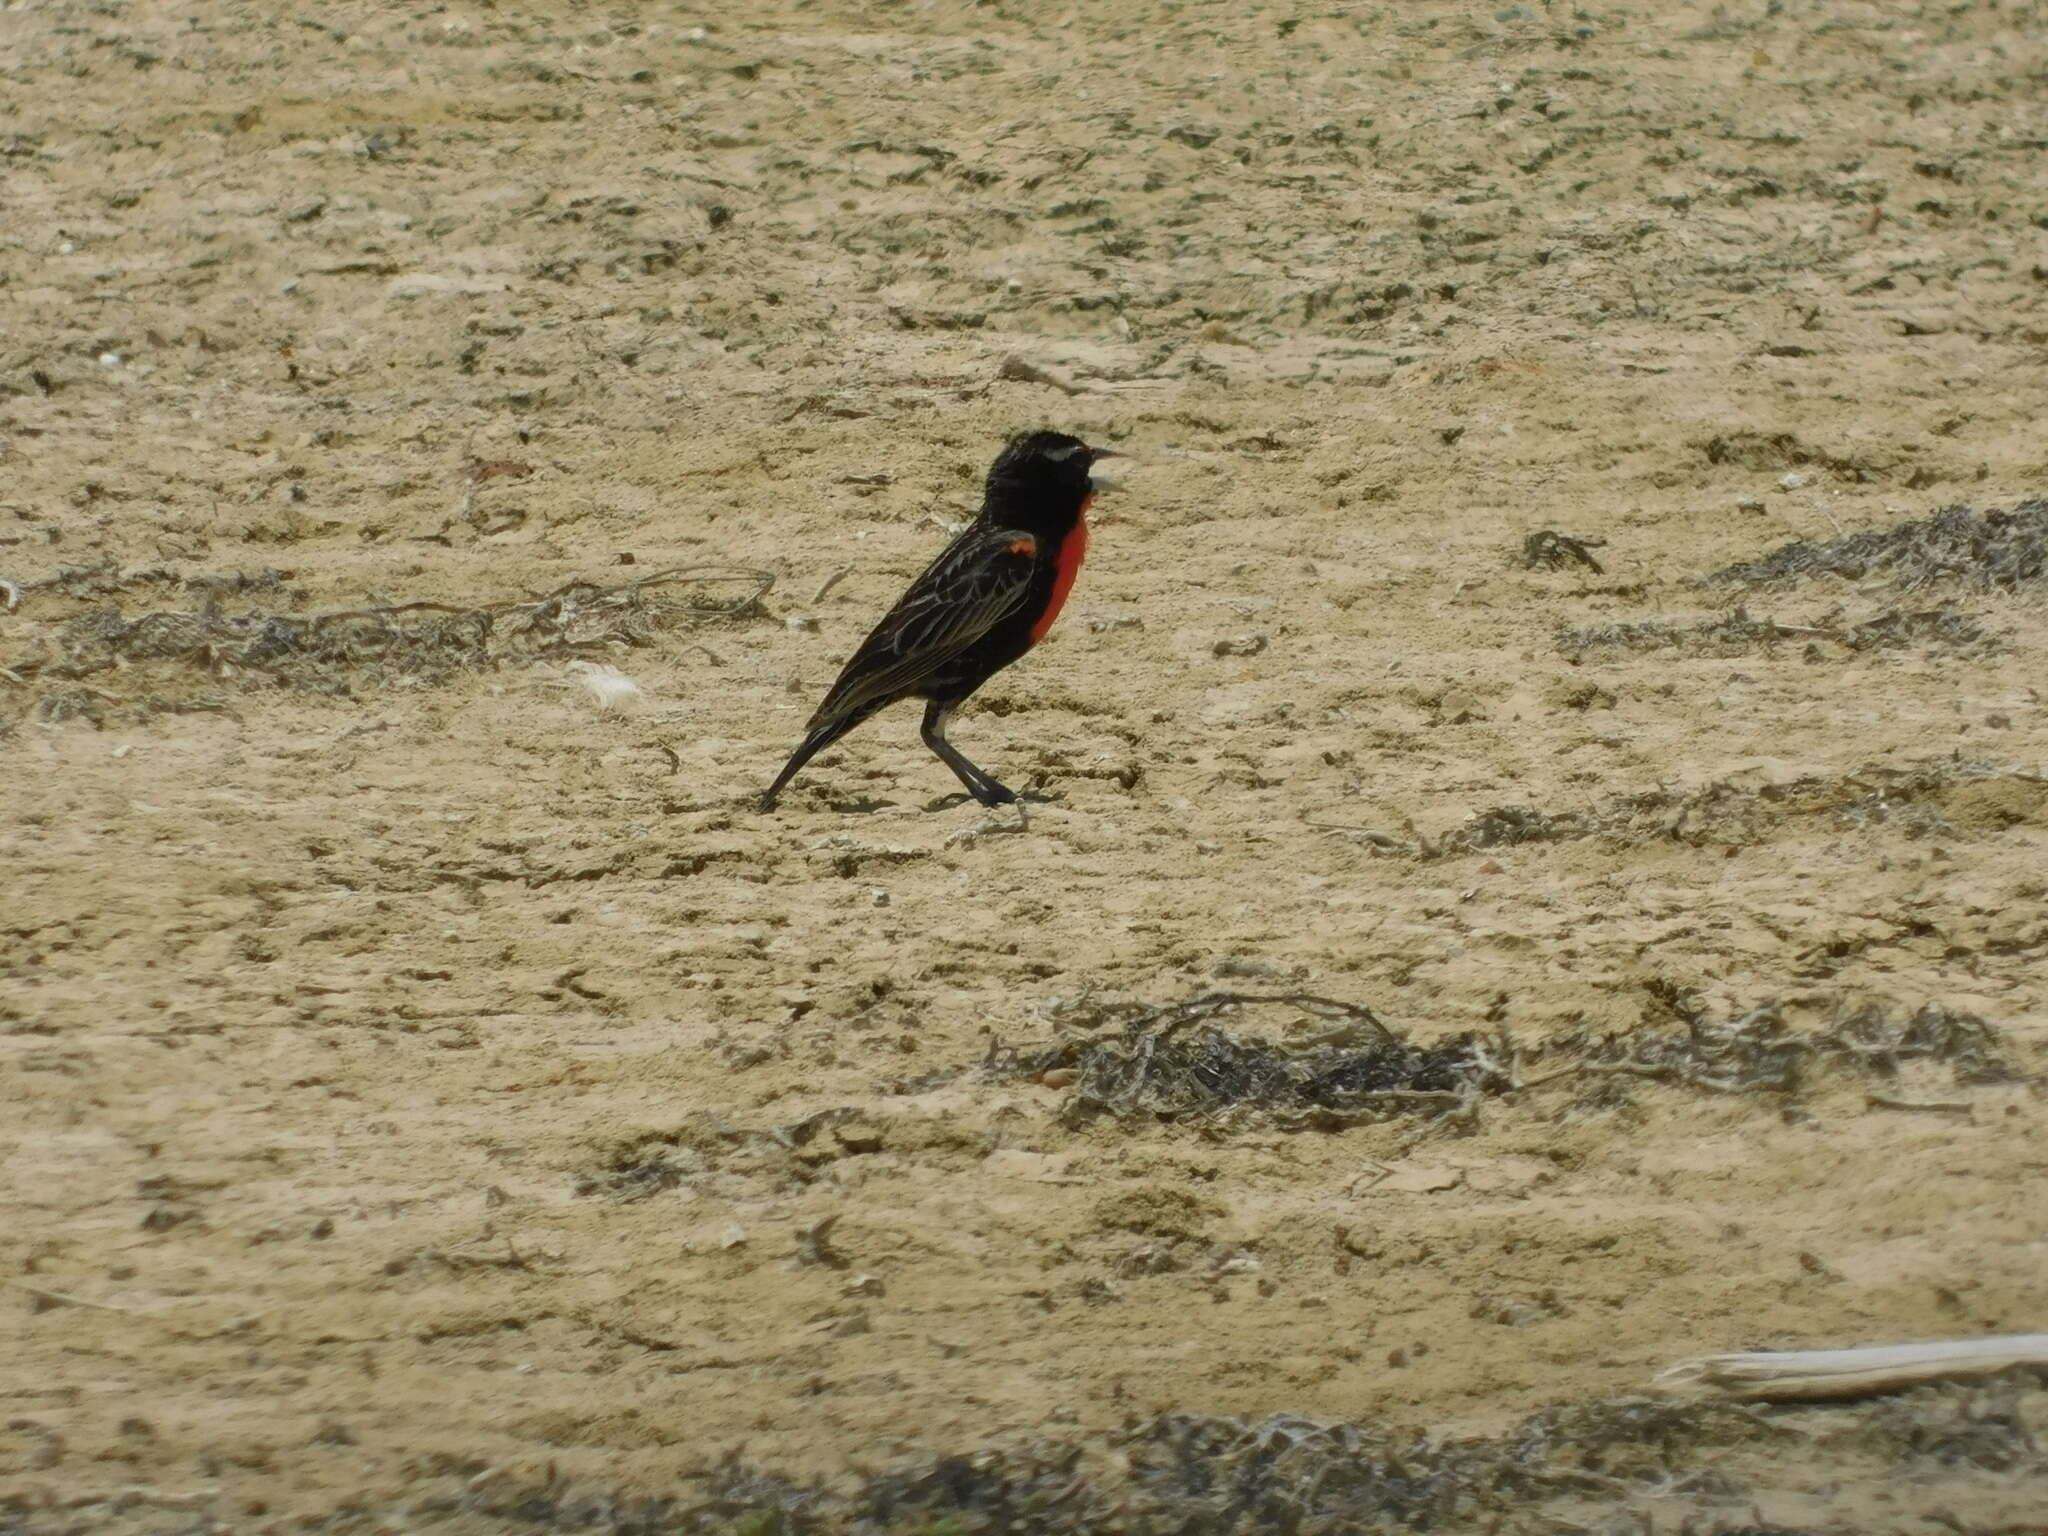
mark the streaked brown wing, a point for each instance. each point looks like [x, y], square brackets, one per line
[979, 579]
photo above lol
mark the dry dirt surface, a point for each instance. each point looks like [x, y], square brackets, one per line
[1488, 921]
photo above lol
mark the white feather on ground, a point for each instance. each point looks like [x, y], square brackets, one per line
[606, 686]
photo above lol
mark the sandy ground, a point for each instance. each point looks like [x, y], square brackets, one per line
[340, 1021]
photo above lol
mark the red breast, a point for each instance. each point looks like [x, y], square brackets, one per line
[1066, 566]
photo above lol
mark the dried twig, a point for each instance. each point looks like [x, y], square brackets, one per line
[1820, 1373]
[65, 1299]
[1015, 367]
[832, 581]
[1938, 1107]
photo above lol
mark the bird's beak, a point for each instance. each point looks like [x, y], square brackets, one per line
[1103, 480]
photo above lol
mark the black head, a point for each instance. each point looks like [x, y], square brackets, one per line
[1043, 473]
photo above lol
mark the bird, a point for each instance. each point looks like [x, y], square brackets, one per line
[989, 597]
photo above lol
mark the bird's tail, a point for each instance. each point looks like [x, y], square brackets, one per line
[820, 736]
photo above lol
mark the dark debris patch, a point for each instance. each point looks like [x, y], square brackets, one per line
[1757, 1051]
[1897, 628]
[1741, 634]
[1729, 812]
[1188, 1474]
[1987, 1429]
[1548, 549]
[635, 1174]
[333, 652]
[1504, 826]
[1190, 1063]
[1191, 1474]
[713, 1155]
[1872, 1038]
[1987, 551]
[557, 1505]
[1200, 1474]
[1183, 1062]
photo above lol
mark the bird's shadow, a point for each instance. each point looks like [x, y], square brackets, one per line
[860, 805]
[868, 805]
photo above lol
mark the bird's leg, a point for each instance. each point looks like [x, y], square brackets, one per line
[979, 784]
